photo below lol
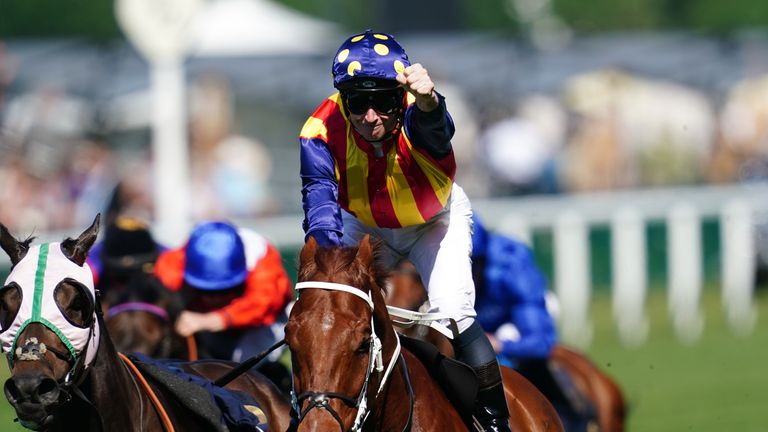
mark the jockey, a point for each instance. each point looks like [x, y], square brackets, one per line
[511, 297]
[376, 158]
[126, 250]
[234, 286]
[511, 305]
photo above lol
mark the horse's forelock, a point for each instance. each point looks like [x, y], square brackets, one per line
[342, 261]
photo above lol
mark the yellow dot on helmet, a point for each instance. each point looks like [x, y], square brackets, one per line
[381, 49]
[399, 66]
[343, 55]
[380, 36]
[130, 224]
[354, 66]
[357, 38]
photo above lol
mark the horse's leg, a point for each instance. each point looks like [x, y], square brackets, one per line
[602, 391]
[529, 410]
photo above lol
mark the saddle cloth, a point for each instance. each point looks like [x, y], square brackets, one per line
[218, 409]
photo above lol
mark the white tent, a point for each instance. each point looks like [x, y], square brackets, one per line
[257, 27]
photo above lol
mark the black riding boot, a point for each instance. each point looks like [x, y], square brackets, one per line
[473, 348]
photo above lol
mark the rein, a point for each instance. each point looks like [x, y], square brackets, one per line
[161, 412]
[375, 362]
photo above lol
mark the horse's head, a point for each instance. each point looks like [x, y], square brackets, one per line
[49, 325]
[336, 332]
[141, 315]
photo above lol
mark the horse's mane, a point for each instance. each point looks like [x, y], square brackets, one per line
[332, 261]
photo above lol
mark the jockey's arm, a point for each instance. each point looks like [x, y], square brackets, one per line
[267, 292]
[430, 131]
[319, 191]
[536, 334]
[512, 274]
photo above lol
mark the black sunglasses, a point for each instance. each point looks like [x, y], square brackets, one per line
[384, 102]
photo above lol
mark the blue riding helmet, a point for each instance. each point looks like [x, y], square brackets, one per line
[215, 257]
[369, 62]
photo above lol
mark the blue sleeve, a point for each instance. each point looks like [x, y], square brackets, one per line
[537, 335]
[431, 131]
[513, 271]
[320, 193]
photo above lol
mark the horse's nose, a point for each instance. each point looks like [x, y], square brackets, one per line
[31, 388]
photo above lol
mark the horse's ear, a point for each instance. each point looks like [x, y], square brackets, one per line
[15, 249]
[365, 251]
[77, 249]
[308, 252]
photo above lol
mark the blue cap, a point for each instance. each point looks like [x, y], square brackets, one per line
[369, 61]
[215, 257]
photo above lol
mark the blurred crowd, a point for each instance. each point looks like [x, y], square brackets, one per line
[610, 129]
[59, 164]
[601, 130]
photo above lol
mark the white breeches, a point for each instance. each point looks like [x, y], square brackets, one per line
[441, 250]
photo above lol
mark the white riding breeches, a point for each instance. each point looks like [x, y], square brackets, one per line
[441, 250]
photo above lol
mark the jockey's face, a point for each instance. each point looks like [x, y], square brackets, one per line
[372, 125]
[374, 115]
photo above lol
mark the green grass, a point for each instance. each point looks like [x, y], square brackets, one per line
[718, 384]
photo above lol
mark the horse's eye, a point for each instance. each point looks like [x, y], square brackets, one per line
[364, 347]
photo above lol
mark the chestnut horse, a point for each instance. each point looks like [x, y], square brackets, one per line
[351, 372]
[407, 292]
[65, 372]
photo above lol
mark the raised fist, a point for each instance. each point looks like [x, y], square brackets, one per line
[416, 80]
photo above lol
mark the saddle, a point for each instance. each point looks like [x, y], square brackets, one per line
[457, 379]
[218, 409]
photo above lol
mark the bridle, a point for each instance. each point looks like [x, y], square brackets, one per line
[163, 349]
[69, 384]
[138, 306]
[321, 399]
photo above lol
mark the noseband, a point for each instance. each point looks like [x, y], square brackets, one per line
[375, 362]
[33, 350]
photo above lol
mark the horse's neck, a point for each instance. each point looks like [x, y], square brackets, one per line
[113, 393]
[395, 393]
[429, 409]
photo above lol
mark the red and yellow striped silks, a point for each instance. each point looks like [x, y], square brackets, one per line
[404, 187]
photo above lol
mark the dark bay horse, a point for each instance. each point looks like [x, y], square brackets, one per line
[406, 291]
[140, 319]
[65, 372]
[351, 372]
